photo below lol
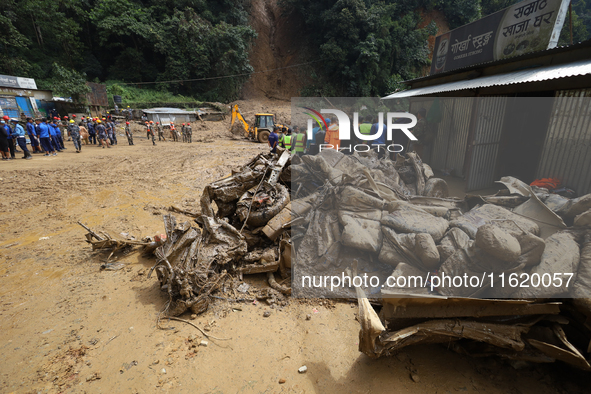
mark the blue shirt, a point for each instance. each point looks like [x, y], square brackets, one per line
[44, 130]
[52, 128]
[31, 129]
[19, 131]
[374, 131]
[8, 131]
[313, 139]
[273, 140]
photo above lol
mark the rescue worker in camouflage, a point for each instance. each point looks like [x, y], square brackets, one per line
[114, 128]
[128, 133]
[151, 133]
[189, 132]
[74, 133]
[109, 130]
[92, 131]
[160, 133]
[183, 135]
[102, 134]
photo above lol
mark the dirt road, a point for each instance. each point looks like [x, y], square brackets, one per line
[69, 327]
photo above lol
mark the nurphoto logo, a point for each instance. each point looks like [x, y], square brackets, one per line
[344, 127]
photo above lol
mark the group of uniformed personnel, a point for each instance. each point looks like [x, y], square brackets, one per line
[287, 138]
[185, 133]
[46, 135]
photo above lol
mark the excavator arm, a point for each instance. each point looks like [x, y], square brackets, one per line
[237, 116]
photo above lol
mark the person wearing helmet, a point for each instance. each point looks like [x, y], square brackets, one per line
[129, 114]
[189, 132]
[150, 132]
[160, 133]
[4, 141]
[183, 135]
[173, 133]
[102, 135]
[19, 135]
[74, 133]
[9, 140]
[92, 131]
[128, 133]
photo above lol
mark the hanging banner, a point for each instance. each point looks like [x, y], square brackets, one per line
[528, 26]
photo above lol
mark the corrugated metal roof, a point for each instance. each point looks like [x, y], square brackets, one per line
[582, 67]
[167, 111]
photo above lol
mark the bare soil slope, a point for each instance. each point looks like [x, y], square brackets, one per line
[279, 45]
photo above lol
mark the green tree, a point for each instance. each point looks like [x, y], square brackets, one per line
[67, 83]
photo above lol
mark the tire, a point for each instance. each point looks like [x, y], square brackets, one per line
[263, 136]
[260, 218]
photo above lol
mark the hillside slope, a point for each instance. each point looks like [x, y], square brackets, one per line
[279, 44]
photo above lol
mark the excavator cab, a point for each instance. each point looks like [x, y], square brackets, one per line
[260, 130]
[263, 125]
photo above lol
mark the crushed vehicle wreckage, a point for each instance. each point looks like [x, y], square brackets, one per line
[345, 215]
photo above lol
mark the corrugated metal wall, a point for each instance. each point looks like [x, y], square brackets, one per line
[567, 150]
[487, 136]
[449, 149]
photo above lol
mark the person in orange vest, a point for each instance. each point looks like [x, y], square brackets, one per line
[332, 134]
[173, 133]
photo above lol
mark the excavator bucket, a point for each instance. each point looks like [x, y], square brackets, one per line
[237, 116]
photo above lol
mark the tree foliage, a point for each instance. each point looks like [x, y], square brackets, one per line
[363, 46]
[129, 41]
[66, 82]
[360, 47]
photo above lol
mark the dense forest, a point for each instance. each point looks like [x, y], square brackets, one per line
[359, 47]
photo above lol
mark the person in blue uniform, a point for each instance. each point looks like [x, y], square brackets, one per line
[53, 134]
[33, 136]
[4, 142]
[19, 134]
[45, 137]
[274, 140]
[91, 131]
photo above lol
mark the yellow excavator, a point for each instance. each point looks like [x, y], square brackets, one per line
[260, 130]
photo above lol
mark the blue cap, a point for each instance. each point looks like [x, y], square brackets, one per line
[327, 120]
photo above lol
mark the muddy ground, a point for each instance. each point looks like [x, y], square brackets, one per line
[68, 327]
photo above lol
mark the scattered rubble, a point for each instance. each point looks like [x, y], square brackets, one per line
[334, 214]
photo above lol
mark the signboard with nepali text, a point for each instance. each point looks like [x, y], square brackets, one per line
[17, 82]
[528, 26]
